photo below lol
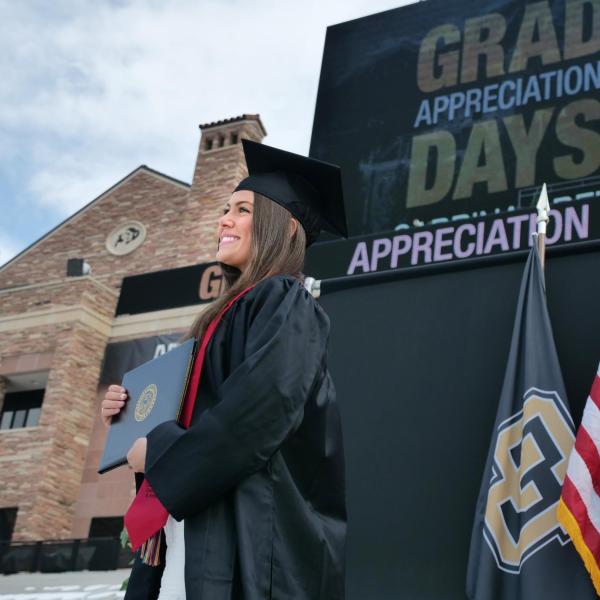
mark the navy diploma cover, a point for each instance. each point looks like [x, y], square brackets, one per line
[156, 390]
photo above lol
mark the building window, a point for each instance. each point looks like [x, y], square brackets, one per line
[221, 141]
[209, 144]
[106, 527]
[8, 516]
[234, 139]
[21, 409]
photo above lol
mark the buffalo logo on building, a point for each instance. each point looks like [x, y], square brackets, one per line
[530, 462]
[145, 402]
[126, 238]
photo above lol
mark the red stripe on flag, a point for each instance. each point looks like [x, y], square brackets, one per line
[575, 504]
[585, 447]
[595, 393]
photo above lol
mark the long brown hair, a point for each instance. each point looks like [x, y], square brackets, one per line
[272, 252]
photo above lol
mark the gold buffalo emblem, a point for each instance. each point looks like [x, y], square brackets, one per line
[145, 402]
[530, 462]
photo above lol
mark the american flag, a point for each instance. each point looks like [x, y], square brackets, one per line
[579, 505]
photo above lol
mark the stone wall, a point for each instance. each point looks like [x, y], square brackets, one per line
[59, 325]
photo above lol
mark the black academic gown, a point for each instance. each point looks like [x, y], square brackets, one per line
[259, 475]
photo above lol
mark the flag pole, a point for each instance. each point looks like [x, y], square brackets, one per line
[543, 210]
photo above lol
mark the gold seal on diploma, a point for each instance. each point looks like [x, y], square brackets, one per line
[145, 402]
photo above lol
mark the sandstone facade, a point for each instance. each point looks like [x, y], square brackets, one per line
[54, 328]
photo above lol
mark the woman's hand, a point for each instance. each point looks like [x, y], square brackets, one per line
[136, 457]
[114, 400]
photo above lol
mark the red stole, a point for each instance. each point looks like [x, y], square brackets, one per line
[146, 515]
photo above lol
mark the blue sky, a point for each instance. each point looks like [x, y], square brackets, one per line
[91, 90]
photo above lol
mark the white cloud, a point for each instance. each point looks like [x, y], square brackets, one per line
[93, 89]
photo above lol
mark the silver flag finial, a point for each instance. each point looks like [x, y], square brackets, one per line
[543, 208]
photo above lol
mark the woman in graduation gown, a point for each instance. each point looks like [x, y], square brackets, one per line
[258, 478]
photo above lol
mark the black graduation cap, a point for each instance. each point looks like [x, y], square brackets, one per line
[310, 189]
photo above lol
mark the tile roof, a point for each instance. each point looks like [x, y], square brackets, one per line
[244, 117]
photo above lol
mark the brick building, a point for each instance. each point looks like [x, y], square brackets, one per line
[55, 329]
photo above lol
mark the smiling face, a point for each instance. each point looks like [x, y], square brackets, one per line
[235, 230]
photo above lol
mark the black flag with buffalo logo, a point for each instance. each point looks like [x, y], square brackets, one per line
[519, 551]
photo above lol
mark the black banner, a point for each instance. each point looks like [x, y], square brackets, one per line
[418, 365]
[173, 288]
[451, 107]
[121, 357]
[452, 239]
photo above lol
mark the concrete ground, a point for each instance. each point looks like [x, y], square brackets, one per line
[78, 585]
